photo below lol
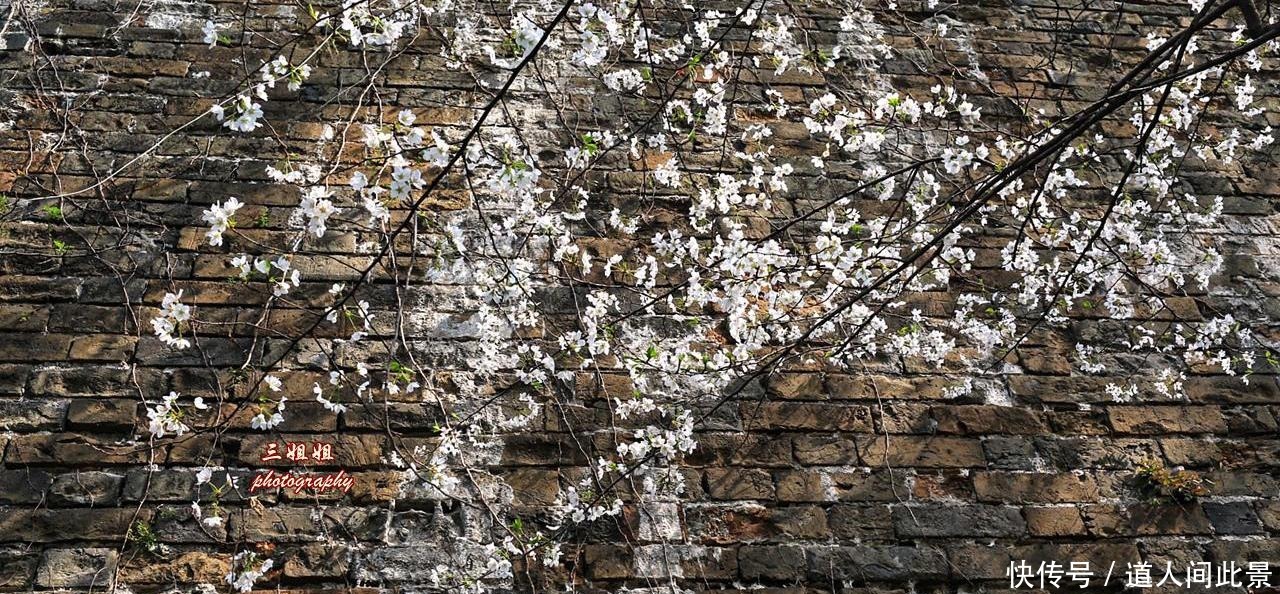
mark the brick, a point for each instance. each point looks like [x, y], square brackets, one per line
[928, 452]
[306, 416]
[725, 523]
[695, 562]
[970, 420]
[957, 520]
[860, 522]
[102, 347]
[93, 382]
[89, 488]
[1233, 390]
[72, 449]
[1042, 361]
[1054, 521]
[13, 378]
[534, 487]
[607, 562]
[398, 563]
[1058, 390]
[794, 487]
[1166, 419]
[46, 525]
[1234, 518]
[822, 450]
[771, 562]
[318, 561]
[741, 449]
[187, 567]
[871, 485]
[877, 563]
[807, 416]
[862, 387]
[17, 566]
[401, 417]
[941, 485]
[32, 415]
[800, 485]
[795, 386]
[538, 450]
[91, 568]
[1146, 519]
[1009, 453]
[28, 347]
[102, 414]
[23, 486]
[283, 524]
[739, 484]
[1190, 452]
[800, 522]
[1035, 487]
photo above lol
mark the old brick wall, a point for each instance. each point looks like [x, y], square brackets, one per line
[816, 482]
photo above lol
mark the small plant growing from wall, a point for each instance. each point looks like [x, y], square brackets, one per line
[1157, 484]
[144, 537]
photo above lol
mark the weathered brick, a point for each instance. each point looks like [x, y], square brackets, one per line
[17, 565]
[824, 450]
[1190, 452]
[794, 487]
[1233, 390]
[732, 483]
[538, 450]
[72, 449]
[800, 485]
[1166, 419]
[13, 378]
[969, 420]
[741, 449]
[88, 488]
[46, 525]
[877, 563]
[23, 486]
[102, 414]
[869, 485]
[91, 568]
[318, 561]
[807, 416]
[534, 487]
[1035, 487]
[302, 524]
[1054, 521]
[103, 347]
[957, 520]
[860, 522]
[861, 387]
[771, 562]
[187, 567]
[32, 415]
[1145, 519]
[93, 382]
[796, 386]
[928, 452]
[607, 561]
[22, 348]
[1235, 517]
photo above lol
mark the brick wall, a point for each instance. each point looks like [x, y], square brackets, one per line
[814, 481]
